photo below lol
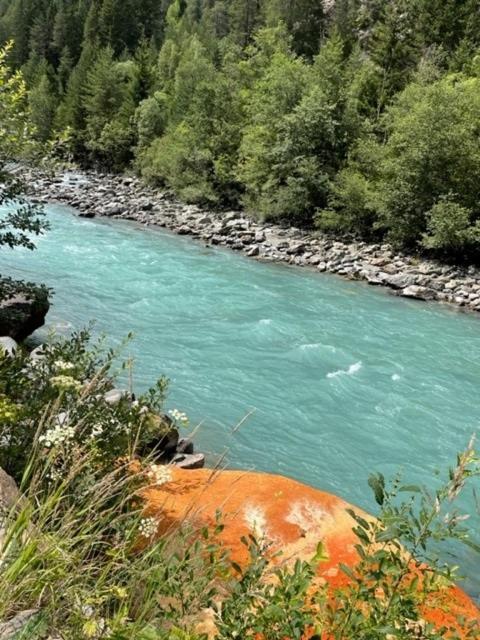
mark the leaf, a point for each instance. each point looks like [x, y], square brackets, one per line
[347, 570]
[321, 554]
[377, 484]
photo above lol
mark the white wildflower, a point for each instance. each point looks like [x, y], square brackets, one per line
[59, 434]
[97, 431]
[179, 416]
[62, 365]
[159, 474]
[148, 527]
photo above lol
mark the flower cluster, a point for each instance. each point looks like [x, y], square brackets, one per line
[159, 474]
[148, 527]
[179, 417]
[62, 366]
[96, 431]
[65, 383]
[59, 434]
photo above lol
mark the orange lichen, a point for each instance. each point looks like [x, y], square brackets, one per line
[293, 516]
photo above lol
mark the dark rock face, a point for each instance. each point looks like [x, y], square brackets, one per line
[23, 312]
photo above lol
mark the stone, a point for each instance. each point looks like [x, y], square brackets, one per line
[297, 248]
[189, 461]
[293, 517]
[8, 346]
[15, 628]
[113, 209]
[375, 279]
[399, 280]
[185, 445]
[9, 493]
[184, 230]
[114, 396]
[23, 313]
[164, 439]
[419, 293]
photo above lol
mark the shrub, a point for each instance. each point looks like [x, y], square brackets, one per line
[59, 397]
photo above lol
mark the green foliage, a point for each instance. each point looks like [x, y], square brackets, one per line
[420, 185]
[382, 597]
[282, 107]
[21, 219]
[450, 229]
[67, 382]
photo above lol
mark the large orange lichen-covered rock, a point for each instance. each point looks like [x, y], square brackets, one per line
[293, 516]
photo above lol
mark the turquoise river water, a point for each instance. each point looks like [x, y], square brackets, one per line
[340, 379]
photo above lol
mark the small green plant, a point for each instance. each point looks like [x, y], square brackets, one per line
[399, 564]
[58, 395]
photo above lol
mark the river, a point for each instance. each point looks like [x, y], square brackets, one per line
[340, 379]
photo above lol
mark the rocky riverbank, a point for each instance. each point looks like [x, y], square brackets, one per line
[125, 197]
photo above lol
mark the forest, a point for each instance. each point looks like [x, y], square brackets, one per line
[358, 117]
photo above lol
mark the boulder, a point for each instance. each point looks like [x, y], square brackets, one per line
[23, 313]
[8, 346]
[418, 292]
[399, 280]
[189, 461]
[9, 493]
[185, 445]
[18, 626]
[163, 438]
[114, 396]
[293, 518]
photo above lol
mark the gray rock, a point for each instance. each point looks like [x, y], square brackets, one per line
[184, 230]
[296, 249]
[399, 280]
[8, 346]
[14, 627]
[114, 396]
[9, 493]
[418, 292]
[185, 445]
[254, 251]
[189, 461]
[376, 278]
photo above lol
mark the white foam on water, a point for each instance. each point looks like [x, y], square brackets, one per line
[395, 377]
[265, 321]
[352, 370]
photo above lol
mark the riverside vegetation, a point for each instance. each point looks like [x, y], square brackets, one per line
[357, 116]
[80, 556]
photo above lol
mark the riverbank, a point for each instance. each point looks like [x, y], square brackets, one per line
[125, 197]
